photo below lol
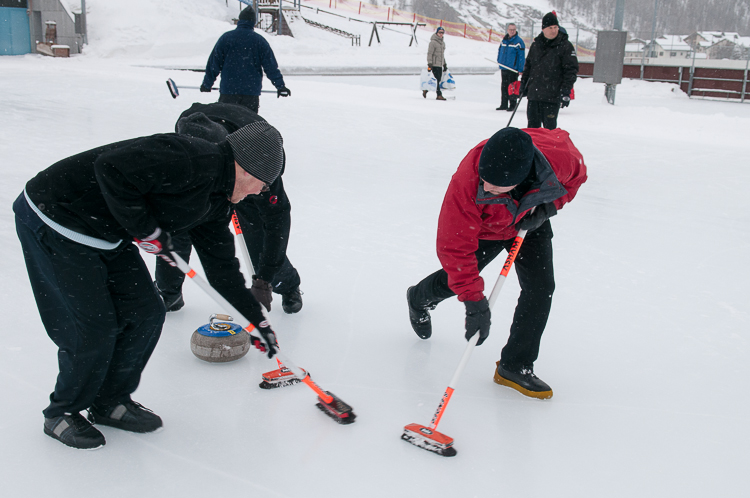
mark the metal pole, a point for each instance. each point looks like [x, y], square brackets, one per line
[619, 14]
[744, 80]
[280, 17]
[577, 31]
[83, 21]
[692, 71]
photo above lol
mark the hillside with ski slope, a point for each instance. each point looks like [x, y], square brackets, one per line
[646, 348]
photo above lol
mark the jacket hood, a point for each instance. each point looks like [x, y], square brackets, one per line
[436, 38]
[246, 25]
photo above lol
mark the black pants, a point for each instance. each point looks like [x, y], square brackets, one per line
[286, 278]
[437, 72]
[537, 279]
[542, 114]
[101, 310]
[215, 256]
[252, 102]
[508, 77]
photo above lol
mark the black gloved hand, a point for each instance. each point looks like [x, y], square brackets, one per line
[266, 343]
[534, 220]
[262, 291]
[564, 100]
[205, 89]
[429, 68]
[477, 319]
[524, 90]
[445, 67]
[158, 243]
[283, 92]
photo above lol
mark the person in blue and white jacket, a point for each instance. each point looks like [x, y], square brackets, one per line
[511, 57]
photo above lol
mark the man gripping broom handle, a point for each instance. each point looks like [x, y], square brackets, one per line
[428, 437]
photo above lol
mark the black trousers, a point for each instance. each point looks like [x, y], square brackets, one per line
[437, 72]
[101, 310]
[252, 102]
[542, 114]
[216, 256]
[537, 279]
[508, 77]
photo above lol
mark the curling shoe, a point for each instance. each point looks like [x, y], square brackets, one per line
[419, 316]
[424, 94]
[440, 97]
[74, 431]
[173, 302]
[524, 381]
[291, 302]
[128, 416]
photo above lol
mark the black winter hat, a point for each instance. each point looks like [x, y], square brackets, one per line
[259, 149]
[248, 14]
[549, 19]
[200, 126]
[506, 158]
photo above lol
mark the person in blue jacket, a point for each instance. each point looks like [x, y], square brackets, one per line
[241, 56]
[511, 57]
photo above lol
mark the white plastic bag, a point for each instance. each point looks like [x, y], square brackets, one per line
[427, 81]
[447, 82]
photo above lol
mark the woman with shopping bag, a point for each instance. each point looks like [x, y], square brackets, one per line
[436, 60]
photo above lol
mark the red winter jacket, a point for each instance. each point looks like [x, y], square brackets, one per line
[469, 213]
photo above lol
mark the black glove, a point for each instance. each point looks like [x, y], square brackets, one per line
[262, 291]
[429, 68]
[477, 319]
[565, 100]
[445, 67]
[266, 343]
[534, 220]
[283, 92]
[205, 89]
[524, 90]
[158, 243]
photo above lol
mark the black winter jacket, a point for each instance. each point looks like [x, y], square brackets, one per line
[128, 189]
[273, 206]
[551, 68]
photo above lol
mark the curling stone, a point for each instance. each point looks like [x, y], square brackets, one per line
[220, 341]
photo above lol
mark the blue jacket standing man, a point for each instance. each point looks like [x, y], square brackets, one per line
[241, 56]
[511, 57]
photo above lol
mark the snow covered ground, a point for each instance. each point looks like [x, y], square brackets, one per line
[646, 349]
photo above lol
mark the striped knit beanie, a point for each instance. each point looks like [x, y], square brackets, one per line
[259, 149]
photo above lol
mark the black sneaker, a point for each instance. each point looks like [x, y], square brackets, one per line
[419, 316]
[128, 416]
[291, 302]
[173, 302]
[524, 381]
[74, 431]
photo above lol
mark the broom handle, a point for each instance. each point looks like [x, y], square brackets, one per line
[245, 254]
[475, 338]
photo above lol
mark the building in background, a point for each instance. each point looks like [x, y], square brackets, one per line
[35, 26]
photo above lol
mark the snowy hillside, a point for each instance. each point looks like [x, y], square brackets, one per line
[647, 345]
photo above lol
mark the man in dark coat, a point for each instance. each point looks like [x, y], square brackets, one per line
[76, 221]
[549, 75]
[241, 56]
[488, 201]
[265, 219]
[511, 57]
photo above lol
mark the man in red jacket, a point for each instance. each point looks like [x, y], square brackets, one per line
[489, 199]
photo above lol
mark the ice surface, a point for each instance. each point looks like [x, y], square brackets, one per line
[646, 348]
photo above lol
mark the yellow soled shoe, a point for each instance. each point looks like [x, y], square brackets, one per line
[525, 382]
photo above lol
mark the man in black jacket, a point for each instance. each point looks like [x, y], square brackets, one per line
[265, 220]
[77, 220]
[549, 74]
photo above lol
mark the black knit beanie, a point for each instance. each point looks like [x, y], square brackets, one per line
[549, 19]
[506, 158]
[248, 14]
[199, 125]
[258, 149]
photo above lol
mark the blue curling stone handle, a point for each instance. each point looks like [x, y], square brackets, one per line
[219, 329]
